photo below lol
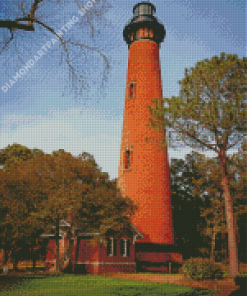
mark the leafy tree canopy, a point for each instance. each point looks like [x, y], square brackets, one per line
[210, 111]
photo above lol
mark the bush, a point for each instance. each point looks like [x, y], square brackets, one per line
[202, 269]
[241, 280]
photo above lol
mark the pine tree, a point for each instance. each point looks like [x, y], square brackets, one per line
[210, 113]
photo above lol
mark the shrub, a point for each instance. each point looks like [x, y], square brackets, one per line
[201, 269]
[241, 280]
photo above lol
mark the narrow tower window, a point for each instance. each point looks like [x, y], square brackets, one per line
[127, 159]
[132, 90]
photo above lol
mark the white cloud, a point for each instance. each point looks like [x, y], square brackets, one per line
[74, 130]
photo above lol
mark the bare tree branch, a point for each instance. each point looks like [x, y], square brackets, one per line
[107, 64]
[15, 25]
[32, 11]
[7, 42]
[191, 135]
[31, 19]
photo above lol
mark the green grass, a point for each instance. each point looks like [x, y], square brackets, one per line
[88, 285]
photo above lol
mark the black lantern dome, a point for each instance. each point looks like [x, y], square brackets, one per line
[144, 25]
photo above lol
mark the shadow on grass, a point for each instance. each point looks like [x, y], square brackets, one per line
[17, 281]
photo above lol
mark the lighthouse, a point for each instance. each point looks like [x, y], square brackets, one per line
[143, 172]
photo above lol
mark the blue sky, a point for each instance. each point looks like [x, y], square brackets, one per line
[40, 109]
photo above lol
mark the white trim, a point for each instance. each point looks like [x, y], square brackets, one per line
[125, 249]
[136, 238]
[88, 234]
[52, 235]
[112, 247]
[137, 231]
[129, 148]
[63, 223]
[132, 82]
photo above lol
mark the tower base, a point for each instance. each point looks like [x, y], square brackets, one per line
[157, 258]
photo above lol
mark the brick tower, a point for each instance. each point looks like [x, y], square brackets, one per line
[144, 170]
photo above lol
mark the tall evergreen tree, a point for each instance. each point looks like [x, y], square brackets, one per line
[210, 113]
[187, 206]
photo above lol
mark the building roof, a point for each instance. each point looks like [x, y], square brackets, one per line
[64, 223]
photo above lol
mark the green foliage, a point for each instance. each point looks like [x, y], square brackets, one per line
[197, 198]
[202, 269]
[13, 154]
[187, 205]
[18, 229]
[38, 190]
[93, 285]
[210, 111]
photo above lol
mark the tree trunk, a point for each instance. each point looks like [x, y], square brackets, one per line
[212, 257]
[232, 244]
[57, 246]
[34, 259]
[15, 264]
[6, 256]
[34, 263]
[71, 240]
[33, 254]
[77, 250]
[5, 252]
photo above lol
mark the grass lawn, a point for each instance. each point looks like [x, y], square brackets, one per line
[91, 285]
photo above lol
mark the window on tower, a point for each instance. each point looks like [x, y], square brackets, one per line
[132, 90]
[127, 159]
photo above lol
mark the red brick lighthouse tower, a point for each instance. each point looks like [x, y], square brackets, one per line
[144, 170]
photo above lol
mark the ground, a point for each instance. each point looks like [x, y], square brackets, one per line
[225, 286]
